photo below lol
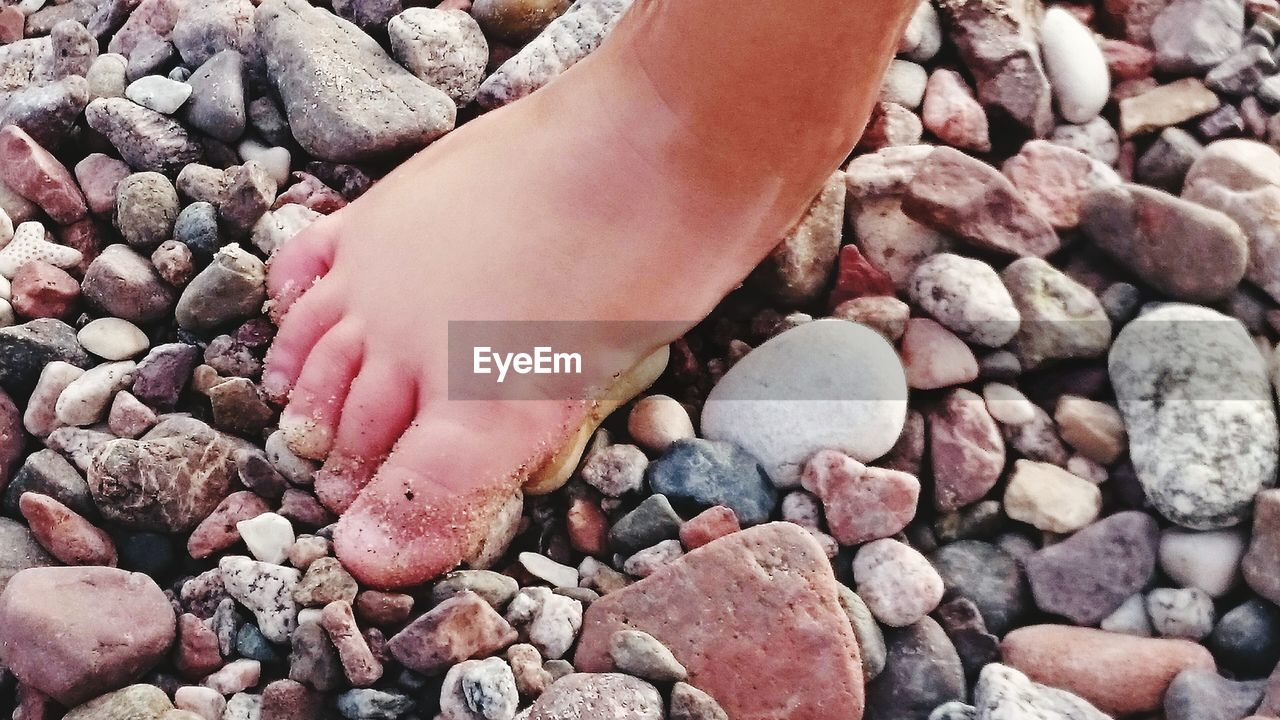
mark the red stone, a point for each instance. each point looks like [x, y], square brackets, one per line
[933, 357]
[310, 192]
[218, 531]
[98, 175]
[303, 509]
[1053, 178]
[754, 617]
[12, 23]
[77, 632]
[384, 609]
[588, 527]
[966, 450]
[41, 290]
[953, 114]
[64, 533]
[857, 277]
[33, 173]
[860, 503]
[1127, 61]
[290, 700]
[711, 524]
[1120, 674]
[358, 661]
[196, 653]
[462, 627]
[85, 236]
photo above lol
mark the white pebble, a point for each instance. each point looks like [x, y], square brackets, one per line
[1209, 560]
[7, 316]
[235, 676]
[203, 701]
[113, 338]
[277, 161]
[1181, 613]
[268, 537]
[243, 706]
[1130, 618]
[896, 582]
[266, 590]
[647, 561]
[1076, 67]
[85, 400]
[1007, 404]
[544, 568]
[158, 93]
[551, 621]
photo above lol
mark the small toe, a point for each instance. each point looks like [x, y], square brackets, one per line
[310, 421]
[378, 410]
[308, 321]
[296, 266]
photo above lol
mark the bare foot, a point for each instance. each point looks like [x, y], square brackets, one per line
[642, 185]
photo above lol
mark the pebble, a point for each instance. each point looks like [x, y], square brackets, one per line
[18, 551]
[358, 662]
[600, 695]
[1055, 180]
[544, 568]
[933, 357]
[48, 473]
[1050, 498]
[965, 448]
[25, 349]
[479, 690]
[1087, 576]
[236, 676]
[1197, 469]
[143, 702]
[11, 423]
[196, 652]
[1135, 225]
[1060, 318]
[953, 114]
[106, 629]
[1003, 692]
[897, 583]
[42, 290]
[494, 588]
[810, 639]
[997, 43]
[313, 79]
[268, 537]
[289, 700]
[549, 621]
[966, 198]
[651, 522]
[1119, 674]
[146, 207]
[444, 48]
[857, 277]
[113, 339]
[904, 84]
[565, 40]
[460, 628]
[123, 284]
[647, 561]
[1096, 138]
[86, 399]
[35, 174]
[1261, 563]
[1165, 106]
[1130, 618]
[707, 473]
[1092, 428]
[1181, 612]
[640, 654]
[1192, 36]
[1242, 72]
[266, 590]
[1245, 639]
[1207, 560]
[861, 503]
[966, 296]
[232, 287]
[368, 704]
[799, 268]
[204, 702]
[922, 671]
[1075, 65]
[760, 404]
[1165, 164]
[988, 576]
[1199, 693]
[710, 524]
[312, 658]
[67, 536]
[217, 106]
[107, 76]
[169, 480]
[690, 703]
[894, 243]
[158, 93]
[615, 470]
[243, 706]
[656, 421]
[145, 139]
[1007, 405]
[29, 244]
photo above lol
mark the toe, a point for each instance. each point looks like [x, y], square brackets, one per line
[378, 410]
[308, 321]
[429, 508]
[310, 421]
[300, 262]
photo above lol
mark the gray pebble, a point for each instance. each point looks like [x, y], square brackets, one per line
[640, 654]
[144, 138]
[690, 703]
[217, 105]
[445, 48]
[232, 287]
[146, 207]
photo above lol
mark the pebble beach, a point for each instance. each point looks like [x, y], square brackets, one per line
[991, 434]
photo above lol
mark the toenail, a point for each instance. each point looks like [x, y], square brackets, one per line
[276, 385]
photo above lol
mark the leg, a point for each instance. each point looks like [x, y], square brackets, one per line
[675, 157]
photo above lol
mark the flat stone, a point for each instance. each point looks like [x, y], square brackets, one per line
[651, 522]
[602, 695]
[1087, 576]
[1165, 106]
[25, 350]
[707, 472]
[686, 604]
[107, 628]
[765, 402]
[963, 196]
[1199, 469]
[861, 503]
[1118, 674]
[136, 702]
[333, 112]
[462, 627]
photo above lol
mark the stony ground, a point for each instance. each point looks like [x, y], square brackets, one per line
[1041, 487]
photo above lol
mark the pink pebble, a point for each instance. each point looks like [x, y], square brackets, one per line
[98, 175]
[33, 173]
[12, 22]
[953, 114]
[856, 277]
[933, 357]
[85, 236]
[218, 531]
[236, 676]
[128, 417]
[311, 193]
[64, 533]
[41, 290]
[196, 653]
[1054, 179]
[358, 661]
[588, 527]
[1127, 61]
[203, 701]
[710, 524]
[861, 503]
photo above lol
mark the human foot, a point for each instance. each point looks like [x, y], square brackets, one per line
[628, 163]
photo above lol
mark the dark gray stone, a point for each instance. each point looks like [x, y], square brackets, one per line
[48, 473]
[1166, 162]
[707, 472]
[217, 104]
[651, 522]
[1247, 638]
[197, 228]
[25, 350]
[988, 576]
[922, 671]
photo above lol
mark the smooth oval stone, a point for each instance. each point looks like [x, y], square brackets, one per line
[1075, 65]
[1197, 406]
[827, 384]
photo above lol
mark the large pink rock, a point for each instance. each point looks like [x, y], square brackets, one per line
[33, 173]
[77, 632]
[754, 617]
[966, 449]
[861, 503]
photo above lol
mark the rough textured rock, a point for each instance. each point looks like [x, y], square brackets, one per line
[1199, 413]
[687, 604]
[1200, 694]
[445, 48]
[799, 268]
[18, 551]
[319, 63]
[604, 695]
[106, 628]
[1003, 693]
[966, 450]
[1061, 319]
[1261, 564]
[145, 139]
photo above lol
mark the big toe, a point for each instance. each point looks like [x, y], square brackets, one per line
[423, 514]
